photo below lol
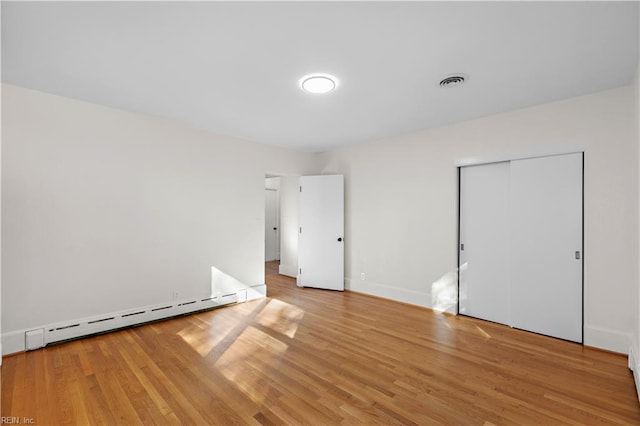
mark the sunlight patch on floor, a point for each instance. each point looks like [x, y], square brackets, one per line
[201, 340]
[243, 361]
[281, 317]
[484, 333]
[205, 336]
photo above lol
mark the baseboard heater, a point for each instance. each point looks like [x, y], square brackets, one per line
[70, 330]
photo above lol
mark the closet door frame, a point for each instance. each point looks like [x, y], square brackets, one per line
[531, 154]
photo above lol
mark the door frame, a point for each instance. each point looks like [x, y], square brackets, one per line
[287, 224]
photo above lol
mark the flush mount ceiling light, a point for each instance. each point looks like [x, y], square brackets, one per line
[318, 83]
[453, 80]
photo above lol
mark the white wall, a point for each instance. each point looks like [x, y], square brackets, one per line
[289, 222]
[634, 356]
[0, 227]
[635, 344]
[105, 210]
[401, 204]
[1, 352]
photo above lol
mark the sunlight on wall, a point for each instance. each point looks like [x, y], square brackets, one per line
[223, 283]
[444, 293]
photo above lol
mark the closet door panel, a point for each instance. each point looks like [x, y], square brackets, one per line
[484, 233]
[546, 245]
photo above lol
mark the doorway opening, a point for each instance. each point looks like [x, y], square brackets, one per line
[272, 219]
[281, 213]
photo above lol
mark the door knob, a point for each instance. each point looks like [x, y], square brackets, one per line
[339, 239]
[275, 229]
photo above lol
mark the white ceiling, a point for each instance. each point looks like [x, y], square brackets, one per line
[233, 68]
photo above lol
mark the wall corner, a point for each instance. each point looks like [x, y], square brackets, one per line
[634, 366]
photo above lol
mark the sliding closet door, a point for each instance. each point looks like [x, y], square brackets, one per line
[546, 240]
[484, 242]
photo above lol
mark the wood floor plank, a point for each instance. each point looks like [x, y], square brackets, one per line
[308, 356]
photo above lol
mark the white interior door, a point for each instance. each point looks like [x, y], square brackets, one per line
[320, 244]
[271, 235]
[484, 242]
[546, 231]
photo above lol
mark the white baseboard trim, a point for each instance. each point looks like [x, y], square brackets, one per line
[634, 366]
[387, 292]
[15, 341]
[288, 270]
[611, 340]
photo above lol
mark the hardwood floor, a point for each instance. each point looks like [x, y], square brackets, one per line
[305, 356]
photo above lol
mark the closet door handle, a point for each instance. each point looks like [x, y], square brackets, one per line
[578, 255]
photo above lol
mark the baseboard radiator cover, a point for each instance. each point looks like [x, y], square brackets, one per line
[38, 337]
[634, 366]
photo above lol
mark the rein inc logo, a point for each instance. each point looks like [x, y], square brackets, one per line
[17, 421]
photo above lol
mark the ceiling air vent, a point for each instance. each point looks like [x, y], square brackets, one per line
[453, 81]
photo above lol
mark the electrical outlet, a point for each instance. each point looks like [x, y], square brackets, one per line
[175, 295]
[362, 276]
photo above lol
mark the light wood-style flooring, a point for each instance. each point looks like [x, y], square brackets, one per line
[305, 356]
